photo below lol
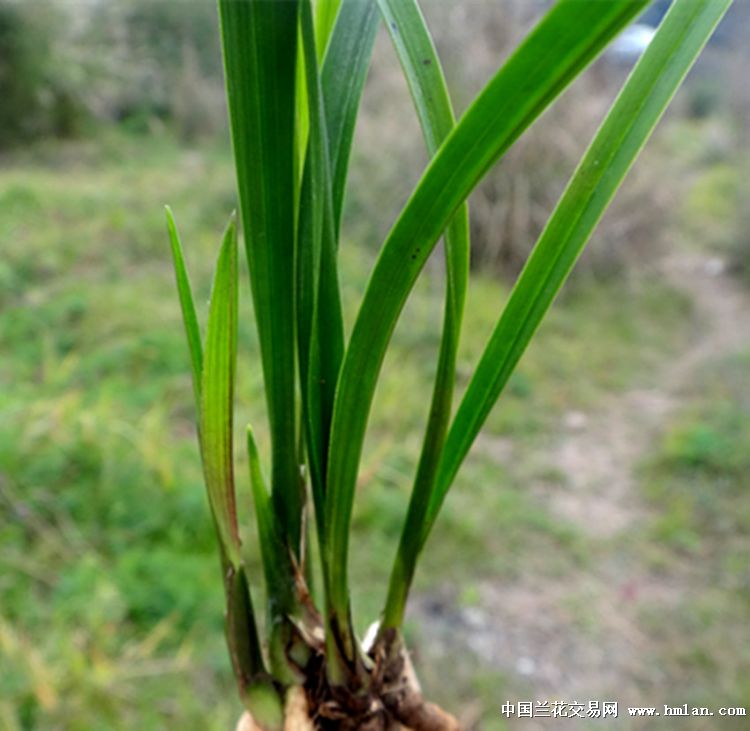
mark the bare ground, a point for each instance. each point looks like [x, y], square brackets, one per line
[580, 636]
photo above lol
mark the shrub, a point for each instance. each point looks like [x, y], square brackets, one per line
[162, 64]
[37, 97]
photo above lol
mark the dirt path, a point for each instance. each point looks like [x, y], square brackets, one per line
[600, 451]
[580, 637]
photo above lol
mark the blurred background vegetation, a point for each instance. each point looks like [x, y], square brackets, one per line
[596, 543]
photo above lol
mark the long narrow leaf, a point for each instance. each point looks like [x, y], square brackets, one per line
[419, 60]
[217, 397]
[319, 318]
[569, 36]
[260, 57]
[215, 419]
[215, 437]
[333, 104]
[343, 77]
[627, 127]
[187, 304]
[429, 91]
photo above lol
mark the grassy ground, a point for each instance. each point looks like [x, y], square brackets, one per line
[110, 603]
[698, 482]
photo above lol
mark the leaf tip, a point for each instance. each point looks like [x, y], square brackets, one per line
[252, 446]
[171, 225]
[231, 228]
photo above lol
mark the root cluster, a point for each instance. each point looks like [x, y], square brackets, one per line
[390, 699]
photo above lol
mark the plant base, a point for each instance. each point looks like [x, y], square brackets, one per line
[393, 702]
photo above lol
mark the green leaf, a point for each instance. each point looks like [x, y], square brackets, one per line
[343, 77]
[277, 565]
[421, 65]
[568, 37]
[325, 18]
[281, 574]
[631, 120]
[242, 638]
[213, 386]
[333, 104]
[215, 419]
[217, 397]
[301, 128]
[187, 304]
[260, 61]
[320, 325]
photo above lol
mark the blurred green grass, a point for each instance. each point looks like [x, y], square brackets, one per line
[111, 615]
[698, 482]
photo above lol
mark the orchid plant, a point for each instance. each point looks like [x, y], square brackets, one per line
[294, 77]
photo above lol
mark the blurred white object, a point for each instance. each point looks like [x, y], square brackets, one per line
[525, 666]
[632, 42]
[715, 266]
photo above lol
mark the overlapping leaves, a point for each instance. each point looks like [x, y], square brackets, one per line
[294, 82]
